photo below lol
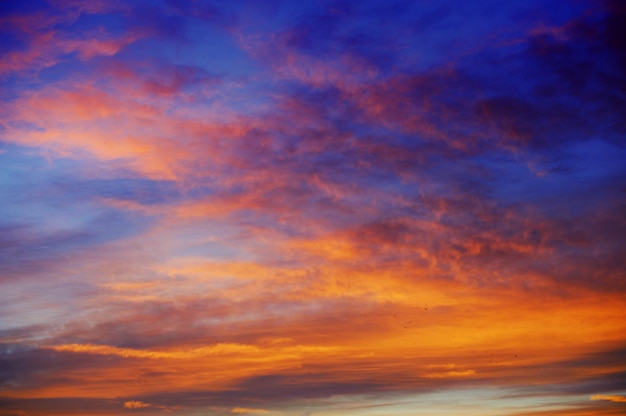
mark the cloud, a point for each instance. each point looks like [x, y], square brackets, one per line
[610, 398]
[370, 206]
[220, 349]
[47, 46]
[136, 405]
[96, 123]
[246, 410]
[159, 78]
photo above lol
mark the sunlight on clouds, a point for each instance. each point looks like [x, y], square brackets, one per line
[451, 374]
[330, 209]
[609, 398]
[136, 405]
[245, 351]
[246, 410]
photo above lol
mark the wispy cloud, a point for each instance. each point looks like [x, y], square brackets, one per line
[136, 405]
[246, 410]
[610, 398]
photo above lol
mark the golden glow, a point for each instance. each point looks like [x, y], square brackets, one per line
[609, 398]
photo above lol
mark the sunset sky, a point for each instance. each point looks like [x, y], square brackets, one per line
[313, 208]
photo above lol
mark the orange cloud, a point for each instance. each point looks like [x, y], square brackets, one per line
[219, 349]
[136, 405]
[246, 410]
[609, 398]
[129, 130]
[251, 352]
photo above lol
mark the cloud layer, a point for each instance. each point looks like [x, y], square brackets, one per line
[334, 208]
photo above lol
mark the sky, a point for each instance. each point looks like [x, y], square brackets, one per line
[313, 208]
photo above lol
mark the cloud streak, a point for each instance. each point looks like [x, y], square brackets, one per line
[610, 398]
